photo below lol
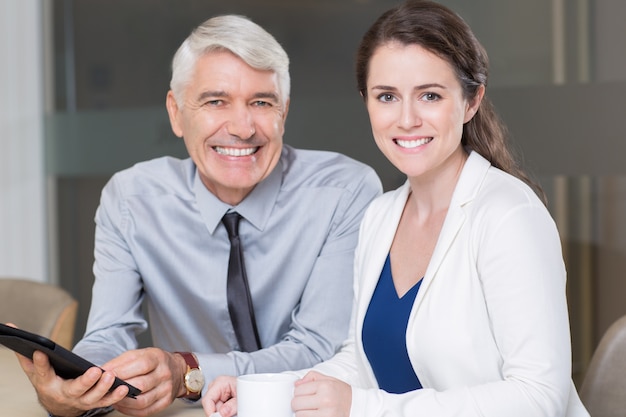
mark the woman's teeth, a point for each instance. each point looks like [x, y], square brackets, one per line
[412, 143]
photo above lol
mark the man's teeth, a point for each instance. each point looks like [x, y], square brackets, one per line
[413, 143]
[235, 151]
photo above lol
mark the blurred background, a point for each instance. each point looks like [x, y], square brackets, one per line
[82, 93]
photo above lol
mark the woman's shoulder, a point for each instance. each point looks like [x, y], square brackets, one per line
[484, 185]
[393, 197]
[506, 190]
[388, 206]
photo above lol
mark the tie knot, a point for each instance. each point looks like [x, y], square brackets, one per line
[231, 222]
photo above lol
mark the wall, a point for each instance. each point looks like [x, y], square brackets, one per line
[23, 235]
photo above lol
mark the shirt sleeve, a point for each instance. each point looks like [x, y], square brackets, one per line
[112, 327]
[344, 364]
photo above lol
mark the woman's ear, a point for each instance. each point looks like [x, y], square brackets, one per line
[474, 104]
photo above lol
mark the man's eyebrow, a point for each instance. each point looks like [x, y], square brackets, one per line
[417, 87]
[212, 94]
[267, 95]
[223, 94]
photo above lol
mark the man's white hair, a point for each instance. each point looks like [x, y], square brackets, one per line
[238, 35]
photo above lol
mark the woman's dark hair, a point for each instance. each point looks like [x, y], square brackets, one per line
[441, 31]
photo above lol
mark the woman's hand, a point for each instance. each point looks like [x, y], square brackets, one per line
[221, 396]
[318, 395]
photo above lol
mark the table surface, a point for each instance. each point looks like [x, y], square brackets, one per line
[18, 398]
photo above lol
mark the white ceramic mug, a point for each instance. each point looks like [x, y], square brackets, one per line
[265, 395]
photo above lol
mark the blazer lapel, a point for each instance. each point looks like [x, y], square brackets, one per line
[379, 243]
[471, 178]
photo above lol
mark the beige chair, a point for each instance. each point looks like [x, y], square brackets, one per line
[603, 390]
[40, 308]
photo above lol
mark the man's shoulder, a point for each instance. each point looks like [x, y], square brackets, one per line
[157, 164]
[155, 176]
[319, 167]
[319, 157]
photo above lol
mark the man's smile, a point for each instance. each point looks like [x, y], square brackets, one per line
[235, 151]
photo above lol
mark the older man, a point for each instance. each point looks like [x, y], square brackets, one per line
[162, 239]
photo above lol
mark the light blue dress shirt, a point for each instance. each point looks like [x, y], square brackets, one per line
[160, 241]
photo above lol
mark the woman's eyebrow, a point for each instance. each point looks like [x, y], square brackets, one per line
[429, 85]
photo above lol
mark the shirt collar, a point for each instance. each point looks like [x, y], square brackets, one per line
[255, 208]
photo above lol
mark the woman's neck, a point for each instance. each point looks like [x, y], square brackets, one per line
[431, 193]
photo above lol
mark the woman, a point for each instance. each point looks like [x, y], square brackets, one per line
[460, 303]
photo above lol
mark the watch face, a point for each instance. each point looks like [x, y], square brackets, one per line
[194, 380]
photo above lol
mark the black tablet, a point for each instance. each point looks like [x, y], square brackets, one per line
[66, 364]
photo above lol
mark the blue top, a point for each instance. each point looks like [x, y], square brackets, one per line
[384, 335]
[159, 240]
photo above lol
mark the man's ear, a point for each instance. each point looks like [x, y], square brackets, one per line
[472, 106]
[286, 110]
[174, 113]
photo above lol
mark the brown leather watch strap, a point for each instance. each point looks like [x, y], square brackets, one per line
[190, 359]
[193, 368]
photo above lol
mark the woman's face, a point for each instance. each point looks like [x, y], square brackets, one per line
[417, 109]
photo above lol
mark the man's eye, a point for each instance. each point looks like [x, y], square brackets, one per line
[215, 102]
[261, 103]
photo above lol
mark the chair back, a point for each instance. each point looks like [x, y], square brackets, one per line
[603, 390]
[40, 308]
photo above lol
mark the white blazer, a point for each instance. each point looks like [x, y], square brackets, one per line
[488, 334]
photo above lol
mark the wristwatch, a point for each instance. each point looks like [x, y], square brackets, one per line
[194, 378]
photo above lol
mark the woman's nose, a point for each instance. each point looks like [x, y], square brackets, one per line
[409, 115]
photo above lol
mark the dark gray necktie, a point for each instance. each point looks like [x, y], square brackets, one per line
[237, 290]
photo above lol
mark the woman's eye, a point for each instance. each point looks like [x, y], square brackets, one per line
[431, 97]
[385, 97]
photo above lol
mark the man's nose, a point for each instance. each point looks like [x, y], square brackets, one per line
[241, 123]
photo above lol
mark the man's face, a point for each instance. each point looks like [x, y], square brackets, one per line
[232, 120]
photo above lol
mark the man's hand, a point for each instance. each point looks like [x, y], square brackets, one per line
[221, 397]
[157, 373]
[320, 395]
[74, 396]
